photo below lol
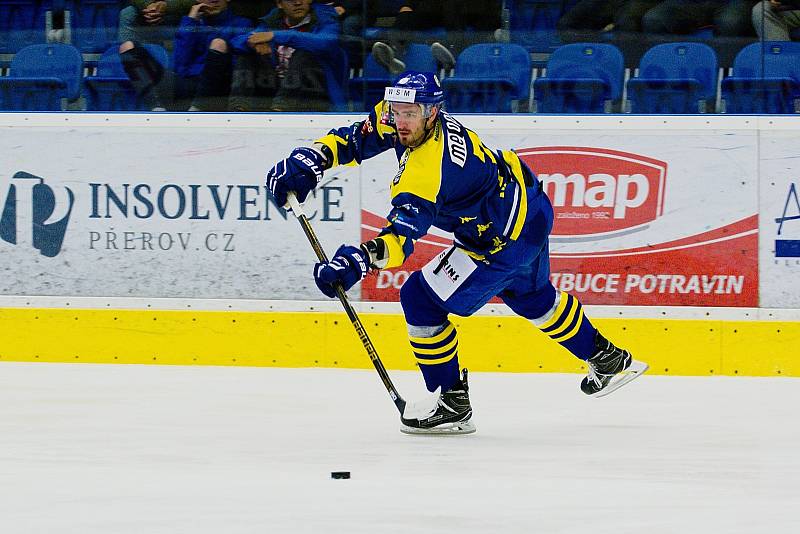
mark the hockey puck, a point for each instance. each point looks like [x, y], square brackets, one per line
[340, 474]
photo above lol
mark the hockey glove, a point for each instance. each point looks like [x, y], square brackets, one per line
[348, 267]
[300, 172]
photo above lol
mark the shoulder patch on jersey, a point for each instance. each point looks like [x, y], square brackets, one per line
[366, 127]
[402, 167]
[456, 144]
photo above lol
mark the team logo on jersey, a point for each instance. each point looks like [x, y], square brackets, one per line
[403, 161]
[596, 191]
[456, 145]
[366, 127]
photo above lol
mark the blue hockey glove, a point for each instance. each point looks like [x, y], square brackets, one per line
[348, 267]
[300, 172]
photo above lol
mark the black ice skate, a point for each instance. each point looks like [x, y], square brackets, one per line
[442, 413]
[610, 368]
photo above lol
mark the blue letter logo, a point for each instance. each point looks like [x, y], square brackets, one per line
[788, 248]
[33, 216]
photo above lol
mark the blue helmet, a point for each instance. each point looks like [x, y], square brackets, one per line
[413, 87]
[418, 87]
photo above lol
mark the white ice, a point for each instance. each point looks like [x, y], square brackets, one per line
[95, 449]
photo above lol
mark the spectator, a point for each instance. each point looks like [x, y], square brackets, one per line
[355, 16]
[465, 21]
[251, 9]
[587, 18]
[773, 20]
[151, 21]
[148, 21]
[728, 18]
[203, 62]
[289, 62]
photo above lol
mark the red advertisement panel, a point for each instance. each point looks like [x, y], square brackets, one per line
[608, 244]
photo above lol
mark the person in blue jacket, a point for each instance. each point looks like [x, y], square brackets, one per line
[290, 61]
[500, 217]
[202, 61]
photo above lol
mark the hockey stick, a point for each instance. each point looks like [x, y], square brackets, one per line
[348, 308]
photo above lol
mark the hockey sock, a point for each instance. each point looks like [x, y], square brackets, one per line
[566, 324]
[436, 351]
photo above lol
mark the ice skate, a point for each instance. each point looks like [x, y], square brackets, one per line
[442, 413]
[610, 368]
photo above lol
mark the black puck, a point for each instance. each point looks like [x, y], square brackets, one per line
[340, 474]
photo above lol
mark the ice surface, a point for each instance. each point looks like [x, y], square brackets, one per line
[95, 449]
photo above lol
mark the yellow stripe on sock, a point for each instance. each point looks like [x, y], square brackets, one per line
[559, 310]
[572, 332]
[573, 309]
[444, 359]
[437, 350]
[441, 336]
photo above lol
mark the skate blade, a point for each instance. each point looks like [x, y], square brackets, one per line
[449, 429]
[633, 372]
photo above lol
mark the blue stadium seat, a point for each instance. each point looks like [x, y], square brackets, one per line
[367, 90]
[40, 76]
[110, 89]
[675, 78]
[580, 78]
[488, 78]
[94, 24]
[533, 23]
[766, 79]
[22, 23]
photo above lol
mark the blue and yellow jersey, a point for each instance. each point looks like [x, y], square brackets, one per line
[451, 181]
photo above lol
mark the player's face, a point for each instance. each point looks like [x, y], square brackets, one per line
[410, 123]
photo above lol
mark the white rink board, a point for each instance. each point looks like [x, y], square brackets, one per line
[196, 221]
[780, 219]
[94, 449]
[188, 155]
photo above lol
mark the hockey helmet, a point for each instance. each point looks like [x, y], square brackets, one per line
[413, 87]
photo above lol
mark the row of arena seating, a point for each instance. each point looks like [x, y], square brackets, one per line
[488, 78]
[671, 78]
[93, 23]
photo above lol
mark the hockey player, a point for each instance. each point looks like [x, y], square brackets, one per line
[500, 218]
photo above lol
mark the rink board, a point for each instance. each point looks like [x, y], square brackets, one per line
[672, 346]
[675, 213]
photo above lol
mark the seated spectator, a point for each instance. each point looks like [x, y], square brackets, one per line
[587, 18]
[728, 18]
[774, 21]
[287, 63]
[203, 64]
[251, 9]
[466, 22]
[148, 21]
[355, 15]
[151, 21]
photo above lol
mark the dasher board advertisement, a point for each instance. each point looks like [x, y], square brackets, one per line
[160, 212]
[651, 217]
[780, 219]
